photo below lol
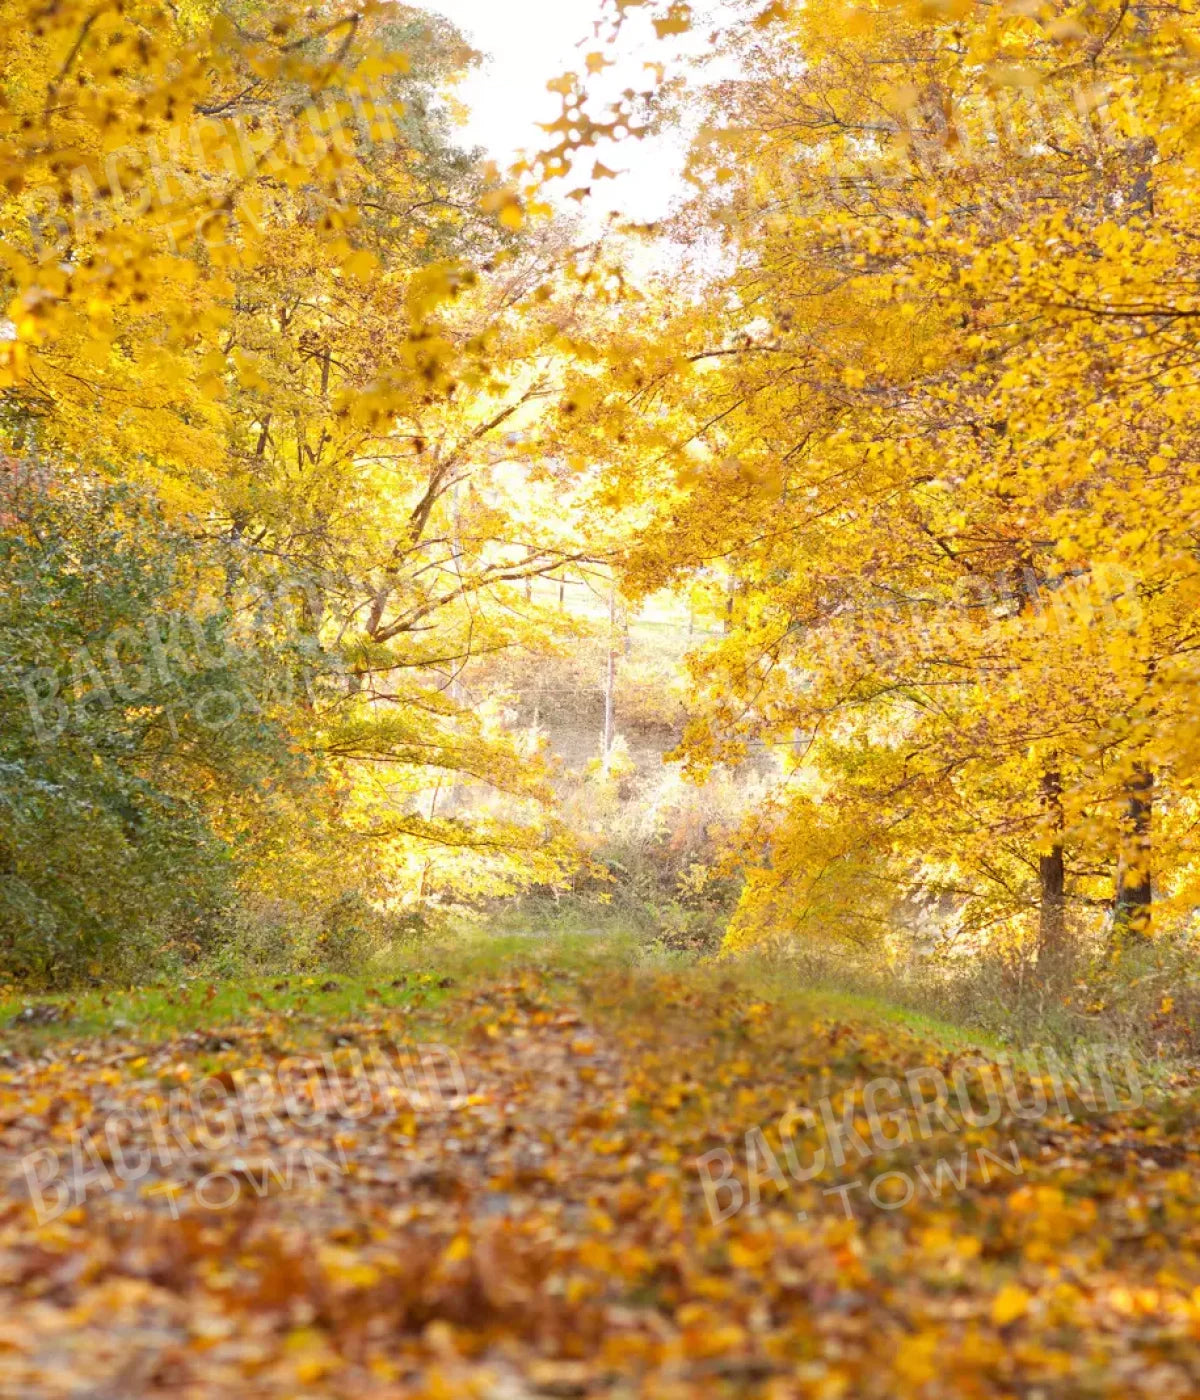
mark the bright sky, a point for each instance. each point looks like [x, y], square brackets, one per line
[529, 42]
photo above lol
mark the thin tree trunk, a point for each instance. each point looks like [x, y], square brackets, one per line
[1135, 892]
[1052, 930]
[1135, 889]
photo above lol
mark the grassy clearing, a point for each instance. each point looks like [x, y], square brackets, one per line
[418, 981]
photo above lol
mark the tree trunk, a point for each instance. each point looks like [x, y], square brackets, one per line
[1052, 929]
[1135, 892]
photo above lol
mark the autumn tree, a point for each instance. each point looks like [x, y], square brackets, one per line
[248, 271]
[930, 417]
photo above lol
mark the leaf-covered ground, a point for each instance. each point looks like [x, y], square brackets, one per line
[541, 1229]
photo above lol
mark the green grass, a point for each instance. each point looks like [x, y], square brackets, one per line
[828, 1000]
[309, 1004]
[418, 979]
[861, 1007]
[162, 1012]
[480, 954]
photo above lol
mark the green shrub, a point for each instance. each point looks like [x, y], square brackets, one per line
[134, 740]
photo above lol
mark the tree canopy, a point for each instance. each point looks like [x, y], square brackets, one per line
[913, 426]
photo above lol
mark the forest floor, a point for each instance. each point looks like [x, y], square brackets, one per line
[575, 1178]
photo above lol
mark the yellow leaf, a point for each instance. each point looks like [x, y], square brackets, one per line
[457, 1250]
[915, 1357]
[361, 265]
[1011, 1303]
